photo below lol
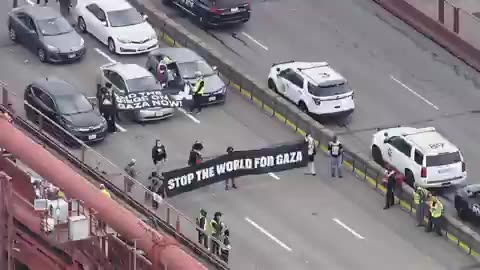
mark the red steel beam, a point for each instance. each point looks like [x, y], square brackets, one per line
[160, 249]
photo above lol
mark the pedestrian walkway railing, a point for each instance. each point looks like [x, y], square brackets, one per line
[181, 225]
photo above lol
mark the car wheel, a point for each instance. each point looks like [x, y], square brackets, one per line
[41, 55]
[272, 86]
[203, 22]
[111, 46]
[377, 156]
[82, 25]
[12, 34]
[409, 178]
[303, 107]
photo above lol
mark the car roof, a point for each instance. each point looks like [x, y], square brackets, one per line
[110, 5]
[39, 12]
[180, 55]
[129, 71]
[424, 138]
[56, 87]
[318, 73]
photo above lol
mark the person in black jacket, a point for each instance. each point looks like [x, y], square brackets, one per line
[391, 182]
[195, 154]
[159, 154]
[108, 112]
[229, 152]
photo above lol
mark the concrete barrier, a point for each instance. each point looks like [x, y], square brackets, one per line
[359, 164]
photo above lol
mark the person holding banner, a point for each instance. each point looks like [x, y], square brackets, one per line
[311, 154]
[195, 157]
[198, 90]
[229, 152]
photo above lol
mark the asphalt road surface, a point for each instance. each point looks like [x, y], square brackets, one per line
[399, 76]
[281, 221]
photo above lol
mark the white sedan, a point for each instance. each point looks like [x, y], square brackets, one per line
[116, 24]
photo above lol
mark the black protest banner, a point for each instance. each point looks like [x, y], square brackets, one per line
[146, 99]
[238, 163]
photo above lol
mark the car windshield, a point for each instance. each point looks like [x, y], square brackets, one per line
[73, 104]
[188, 69]
[443, 159]
[125, 17]
[330, 90]
[227, 3]
[142, 84]
[54, 27]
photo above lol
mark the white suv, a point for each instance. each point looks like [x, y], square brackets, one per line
[422, 154]
[314, 87]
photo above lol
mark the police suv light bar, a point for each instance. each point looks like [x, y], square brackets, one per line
[109, 65]
[420, 130]
[285, 62]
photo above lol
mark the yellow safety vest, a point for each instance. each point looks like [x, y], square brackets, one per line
[199, 87]
[105, 191]
[437, 210]
[213, 223]
[419, 192]
[61, 194]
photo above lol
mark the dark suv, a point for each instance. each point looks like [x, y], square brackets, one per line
[67, 107]
[215, 12]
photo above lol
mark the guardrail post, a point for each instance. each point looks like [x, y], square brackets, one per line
[83, 150]
[456, 20]
[177, 224]
[4, 96]
[168, 215]
[40, 121]
[441, 11]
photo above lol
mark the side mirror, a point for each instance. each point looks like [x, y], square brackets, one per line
[104, 23]
[31, 32]
[215, 68]
[145, 17]
[387, 140]
[93, 101]
[278, 70]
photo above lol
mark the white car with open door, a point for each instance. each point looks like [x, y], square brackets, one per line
[116, 24]
[423, 155]
[314, 87]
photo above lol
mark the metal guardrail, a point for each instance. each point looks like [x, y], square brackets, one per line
[166, 217]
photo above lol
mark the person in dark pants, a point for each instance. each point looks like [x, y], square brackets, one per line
[230, 152]
[195, 156]
[153, 181]
[216, 226]
[159, 193]
[108, 112]
[202, 223]
[435, 217]
[198, 90]
[64, 7]
[225, 250]
[159, 154]
[390, 195]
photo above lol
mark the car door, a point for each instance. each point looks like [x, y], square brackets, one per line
[283, 81]
[295, 87]
[97, 22]
[47, 105]
[118, 84]
[26, 30]
[399, 153]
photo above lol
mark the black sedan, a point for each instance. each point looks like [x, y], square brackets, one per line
[182, 68]
[44, 31]
[66, 106]
[467, 203]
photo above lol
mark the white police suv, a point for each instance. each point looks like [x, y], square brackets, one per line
[314, 87]
[422, 154]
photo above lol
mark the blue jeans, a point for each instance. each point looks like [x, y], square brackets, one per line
[336, 165]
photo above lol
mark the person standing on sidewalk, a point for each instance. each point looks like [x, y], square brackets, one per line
[202, 223]
[436, 214]
[335, 149]
[391, 183]
[311, 154]
[131, 171]
[420, 200]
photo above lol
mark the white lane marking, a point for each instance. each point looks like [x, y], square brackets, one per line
[413, 92]
[122, 129]
[267, 234]
[348, 228]
[30, 2]
[274, 176]
[105, 55]
[256, 41]
[189, 116]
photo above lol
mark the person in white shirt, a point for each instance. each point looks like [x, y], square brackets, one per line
[311, 154]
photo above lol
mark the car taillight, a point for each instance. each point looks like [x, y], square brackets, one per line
[216, 10]
[352, 95]
[423, 172]
[464, 167]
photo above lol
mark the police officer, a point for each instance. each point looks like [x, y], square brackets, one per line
[216, 226]
[109, 112]
[420, 200]
[230, 152]
[390, 195]
[131, 171]
[159, 154]
[198, 90]
[335, 149]
[311, 154]
[436, 212]
[225, 250]
[202, 223]
[195, 156]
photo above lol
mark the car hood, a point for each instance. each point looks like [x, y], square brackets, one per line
[212, 84]
[70, 42]
[84, 119]
[138, 33]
